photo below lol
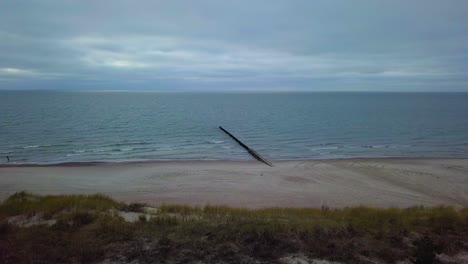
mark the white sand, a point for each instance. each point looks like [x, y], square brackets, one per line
[336, 183]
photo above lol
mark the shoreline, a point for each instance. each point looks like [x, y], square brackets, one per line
[156, 161]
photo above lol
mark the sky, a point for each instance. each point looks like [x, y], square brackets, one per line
[254, 45]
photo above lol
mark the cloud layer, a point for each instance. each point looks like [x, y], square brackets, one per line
[235, 45]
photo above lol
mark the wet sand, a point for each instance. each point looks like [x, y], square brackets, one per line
[386, 182]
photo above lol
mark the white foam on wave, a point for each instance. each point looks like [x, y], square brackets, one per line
[397, 146]
[99, 150]
[31, 146]
[117, 150]
[324, 148]
[216, 141]
[127, 149]
[42, 146]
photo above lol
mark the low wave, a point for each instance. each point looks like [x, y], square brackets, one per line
[201, 148]
[328, 144]
[137, 143]
[31, 146]
[116, 153]
[324, 148]
[44, 146]
[216, 141]
[359, 147]
[110, 151]
[107, 150]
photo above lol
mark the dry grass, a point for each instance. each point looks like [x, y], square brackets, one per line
[88, 229]
[30, 204]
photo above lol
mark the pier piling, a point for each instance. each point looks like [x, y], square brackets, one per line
[251, 151]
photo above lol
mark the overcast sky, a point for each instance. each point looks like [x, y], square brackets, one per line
[329, 45]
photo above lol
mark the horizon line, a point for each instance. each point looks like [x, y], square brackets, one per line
[229, 91]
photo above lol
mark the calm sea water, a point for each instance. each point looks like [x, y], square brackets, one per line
[52, 126]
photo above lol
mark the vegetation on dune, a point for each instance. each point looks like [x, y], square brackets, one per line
[89, 228]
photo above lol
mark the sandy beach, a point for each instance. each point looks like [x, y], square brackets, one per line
[385, 182]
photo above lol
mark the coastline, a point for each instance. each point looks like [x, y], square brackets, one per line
[378, 182]
[247, 160]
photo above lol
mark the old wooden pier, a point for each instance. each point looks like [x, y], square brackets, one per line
[251, 151]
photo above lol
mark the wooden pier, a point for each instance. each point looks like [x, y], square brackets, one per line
[251, 151]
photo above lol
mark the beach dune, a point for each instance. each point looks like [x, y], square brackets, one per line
[383, 182]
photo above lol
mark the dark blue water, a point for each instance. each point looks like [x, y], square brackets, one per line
[52, 126]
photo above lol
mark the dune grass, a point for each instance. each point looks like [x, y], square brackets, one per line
[89, 228]
[30, 204]
[418, 218]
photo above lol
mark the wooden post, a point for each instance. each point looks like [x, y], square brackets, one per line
[251, 151]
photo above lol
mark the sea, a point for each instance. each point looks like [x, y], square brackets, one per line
[84, 126]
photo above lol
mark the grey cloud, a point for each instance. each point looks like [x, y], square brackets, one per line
[244, 45]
